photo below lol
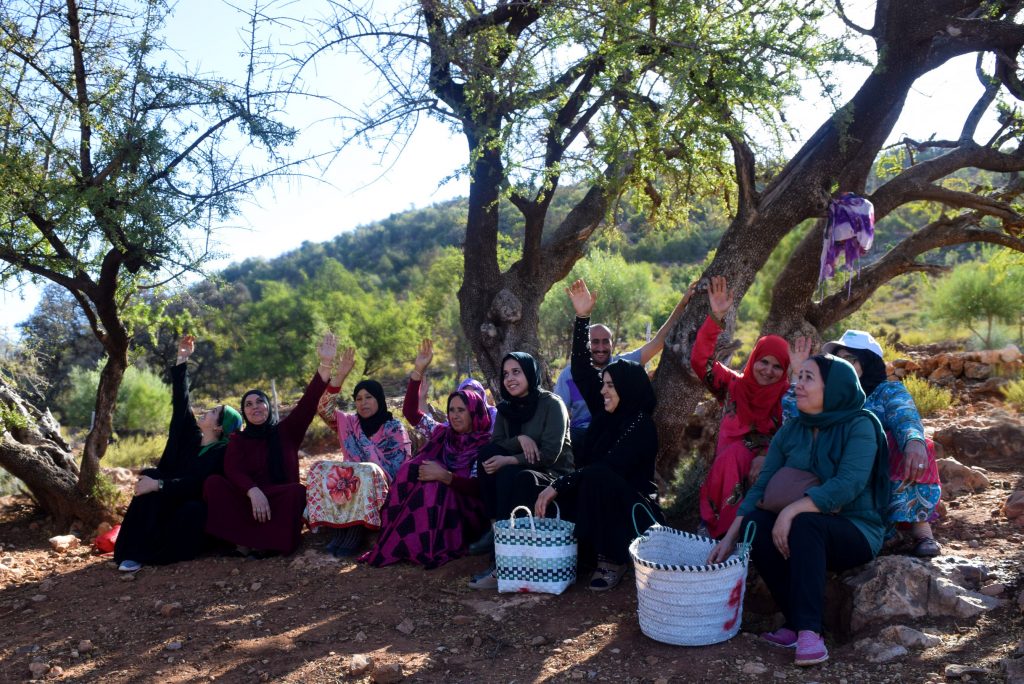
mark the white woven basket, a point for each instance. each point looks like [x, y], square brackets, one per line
[681, 599]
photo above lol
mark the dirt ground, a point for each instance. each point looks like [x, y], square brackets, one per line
[302, 618]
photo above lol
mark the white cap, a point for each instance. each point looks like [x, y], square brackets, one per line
[854, 339]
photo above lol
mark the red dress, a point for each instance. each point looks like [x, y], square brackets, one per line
[751, 414]
[246, 466]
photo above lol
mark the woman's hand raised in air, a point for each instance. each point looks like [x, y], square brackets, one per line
[423, 359]
[799, 352]
[720, 297]
[583, 299]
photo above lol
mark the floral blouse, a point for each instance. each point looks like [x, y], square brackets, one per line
[389, 447]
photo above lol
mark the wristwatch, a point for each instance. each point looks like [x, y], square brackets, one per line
[159, 485]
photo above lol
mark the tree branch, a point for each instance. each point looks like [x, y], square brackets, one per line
[846, 20]
[981, 106]
[744, 161]
[902, 259]
[82, 92]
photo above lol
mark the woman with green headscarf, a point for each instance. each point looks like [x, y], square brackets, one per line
[819, 502]
[165, 520]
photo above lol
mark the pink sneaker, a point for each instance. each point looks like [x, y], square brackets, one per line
[810, 648]
[783, 636]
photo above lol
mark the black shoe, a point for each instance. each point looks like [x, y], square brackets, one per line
[347, 541]
[484, 544]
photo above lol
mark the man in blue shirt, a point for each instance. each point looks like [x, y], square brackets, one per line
[602, 345]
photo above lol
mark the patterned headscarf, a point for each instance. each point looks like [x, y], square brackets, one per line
[457, 451]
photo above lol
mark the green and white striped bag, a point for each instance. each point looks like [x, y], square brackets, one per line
[539, 557]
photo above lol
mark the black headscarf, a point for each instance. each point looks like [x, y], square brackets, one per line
[518, 410]
[375, 422]
[267, 431]
[636, 397]
[873, 367]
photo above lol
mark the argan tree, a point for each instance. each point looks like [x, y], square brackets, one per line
[114, 167]
[644, 101]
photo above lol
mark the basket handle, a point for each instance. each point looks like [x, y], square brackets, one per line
[646, 510]
[529, 514]
[748, 538]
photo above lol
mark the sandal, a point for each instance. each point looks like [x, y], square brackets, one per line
[607, 575]
[926, 547]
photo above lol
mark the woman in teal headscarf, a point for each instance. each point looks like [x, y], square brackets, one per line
[819, 502]
[165, 520]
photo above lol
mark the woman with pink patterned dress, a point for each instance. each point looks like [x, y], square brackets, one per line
[348, 495]
[434, 506]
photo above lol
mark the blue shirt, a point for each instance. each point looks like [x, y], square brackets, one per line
[579, 414]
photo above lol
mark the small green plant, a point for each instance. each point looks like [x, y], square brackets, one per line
[682, 503]
[107, 493]
[928, 398]
[1013, 392]
[11, 419]
[135, 451]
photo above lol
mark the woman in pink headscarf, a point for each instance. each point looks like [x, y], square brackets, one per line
[751, 411]
[434, 506]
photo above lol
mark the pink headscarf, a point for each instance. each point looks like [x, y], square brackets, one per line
[458, 451]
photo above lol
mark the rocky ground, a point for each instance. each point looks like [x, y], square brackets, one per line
[311, 618]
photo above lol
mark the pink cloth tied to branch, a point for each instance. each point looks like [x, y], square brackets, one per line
[850, 232]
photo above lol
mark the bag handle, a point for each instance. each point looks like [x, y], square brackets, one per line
[645, 510]
[748, 539]
[529, 514]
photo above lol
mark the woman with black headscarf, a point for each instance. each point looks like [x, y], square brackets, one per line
[615, 467]
[530, 447]
[257, 503]
[348, 495]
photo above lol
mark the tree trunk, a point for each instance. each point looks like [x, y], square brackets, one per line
[32, 449]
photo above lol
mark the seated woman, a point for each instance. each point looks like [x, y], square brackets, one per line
[348, 494]
[165, 520]
[424, 423]
[434, 507]
[912, 467]
[834, 521]
[257, 503]
[529, 448]
[751, 411]
[615, 468]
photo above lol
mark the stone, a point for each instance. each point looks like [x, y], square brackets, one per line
[1013, 669]
[955, 670]
[360, 664]
[987, 441]
[462, 620]
[977, 371]
[173, 646]
[893, 588]
[103, 528]
[877, 651]
[755, 668]
[942, 376]
[960, 479]
[538, 640]
[121, 476]
[38, 669]
[38, 598]
[957, 363]
[85, 646]
[360, 636]
[909, 637]
[1014, 506]
[56, 672]
[406, 626]
[1009, 354]
[63, 543]
[577, 675]
[169, 609]
[994, 589]
[388, 673]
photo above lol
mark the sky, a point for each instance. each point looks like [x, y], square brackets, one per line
[360, 187]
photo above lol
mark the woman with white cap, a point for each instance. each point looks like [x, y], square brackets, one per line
[912, 469]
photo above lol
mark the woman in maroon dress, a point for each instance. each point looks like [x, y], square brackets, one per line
[257, 504]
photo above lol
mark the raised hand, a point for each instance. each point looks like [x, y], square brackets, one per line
[720, 297]
[799, 352]
[348, 361]
[424, 357]
[327, 349]
[186, 346]
[583, 299]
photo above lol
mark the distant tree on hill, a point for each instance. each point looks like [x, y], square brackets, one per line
[113, 168]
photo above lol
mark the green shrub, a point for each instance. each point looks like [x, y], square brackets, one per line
[107, 493]
[681, 505]
[1014, 393]
[928, 398]
[135, 451]
[143, 400]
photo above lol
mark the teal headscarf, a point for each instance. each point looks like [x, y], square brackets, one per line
[230, 421]
[844, 401]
